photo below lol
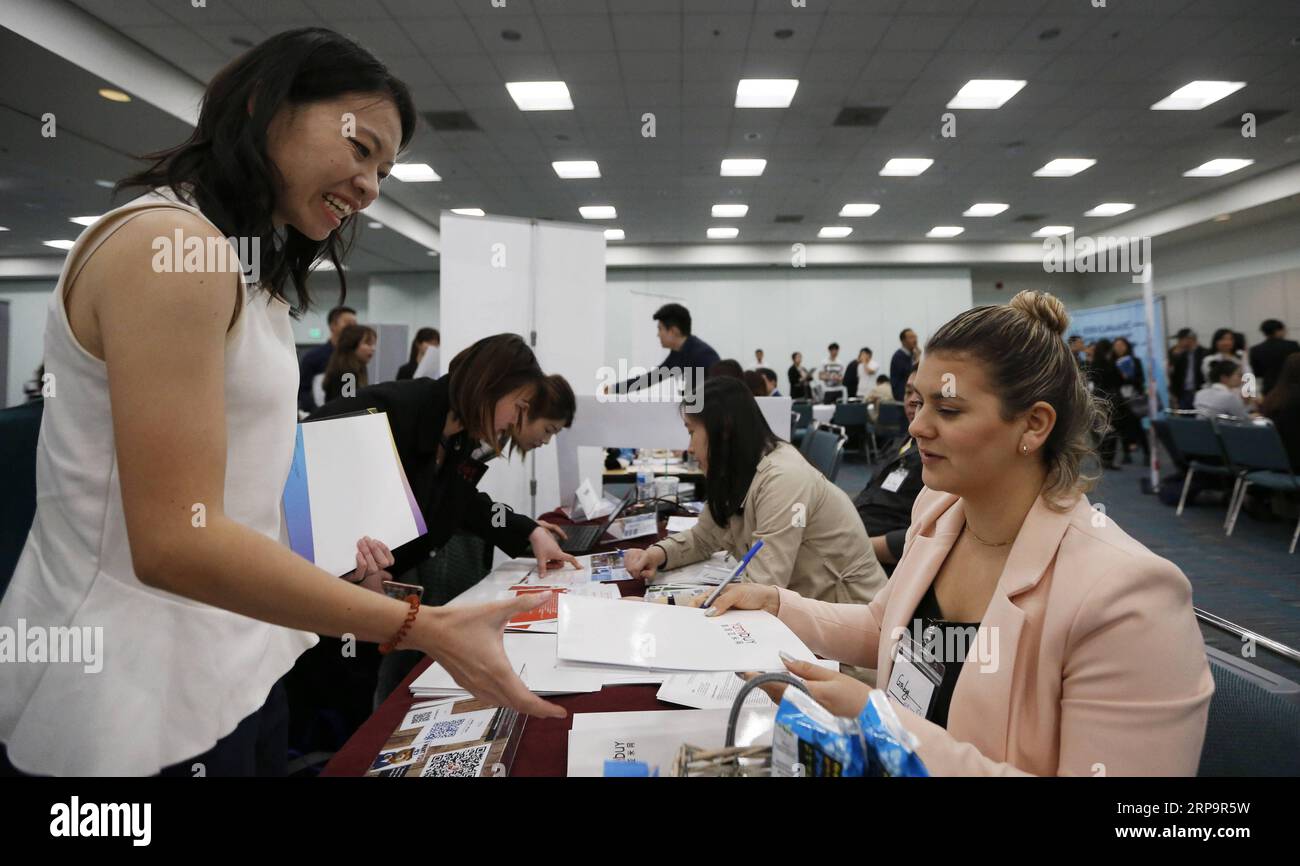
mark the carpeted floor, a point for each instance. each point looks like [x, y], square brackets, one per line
[1248, 579]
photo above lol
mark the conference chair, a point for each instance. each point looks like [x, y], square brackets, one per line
[824, 448]
[20, 427]
[802, 410]
[1257, 456]
[891, 420]
[1254, 723]
[1196, 441]
[852, 416]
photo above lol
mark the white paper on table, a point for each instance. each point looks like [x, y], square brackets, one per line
[532, 658]
[655, 737]
[677, 523]
[606, 567]
[613, 675]
[347, 483]
[668, 637]
[549, 626]
[716, 689]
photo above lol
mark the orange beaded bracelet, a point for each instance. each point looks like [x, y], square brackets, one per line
[414, 601]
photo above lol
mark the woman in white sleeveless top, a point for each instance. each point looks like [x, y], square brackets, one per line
[166, 444]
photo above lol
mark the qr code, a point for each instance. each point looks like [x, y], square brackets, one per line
[443, 730]
[462, 763]
[421, 718]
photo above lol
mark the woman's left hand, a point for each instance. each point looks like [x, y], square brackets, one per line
[839, 693]
[548, 553]
[373, 556]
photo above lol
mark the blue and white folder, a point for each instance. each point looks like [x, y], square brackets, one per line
[347, 482]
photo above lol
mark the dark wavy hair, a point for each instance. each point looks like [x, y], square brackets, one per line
[485, 372]
[738, 436]
[224, 169]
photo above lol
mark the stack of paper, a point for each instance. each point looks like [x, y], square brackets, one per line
[655, 737]
[710, 572]
[533, 659]
[632, 635]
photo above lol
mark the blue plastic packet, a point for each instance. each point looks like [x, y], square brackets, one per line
[809, 741]
[890, 747]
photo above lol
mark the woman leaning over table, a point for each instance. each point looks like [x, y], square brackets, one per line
[1089, 660]
[760, 487]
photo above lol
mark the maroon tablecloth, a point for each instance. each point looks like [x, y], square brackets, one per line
[543, 750]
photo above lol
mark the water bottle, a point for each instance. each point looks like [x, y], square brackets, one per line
[644, 482]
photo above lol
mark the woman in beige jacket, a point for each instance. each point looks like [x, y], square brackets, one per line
[1077, 649]
[760, 487]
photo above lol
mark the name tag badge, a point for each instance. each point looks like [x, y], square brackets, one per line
[913, 680]
[895, 479]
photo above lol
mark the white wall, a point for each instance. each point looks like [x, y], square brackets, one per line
[27, 302]
[1018, 278]
[1235, 279]
[405, 299]
[783, 310]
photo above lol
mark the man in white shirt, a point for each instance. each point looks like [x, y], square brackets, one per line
[831, 375]
[1222, 393]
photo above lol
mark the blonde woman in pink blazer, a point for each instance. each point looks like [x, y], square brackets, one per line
[1081, 654]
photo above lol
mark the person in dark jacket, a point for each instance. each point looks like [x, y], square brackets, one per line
[1129, 404]
[1267, 358]
[902, 362]
[1186, 375]
[314, 361]
[1282, 407]
[1107, 384]
[685, 350]
[425, 338]
[885, 504]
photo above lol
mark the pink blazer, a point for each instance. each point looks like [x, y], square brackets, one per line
[1094, 665]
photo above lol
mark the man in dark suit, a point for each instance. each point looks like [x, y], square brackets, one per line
[1267, 358]
[901, 364]
[1185, 375]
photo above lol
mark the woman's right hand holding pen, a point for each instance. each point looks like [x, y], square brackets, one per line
[743, 596]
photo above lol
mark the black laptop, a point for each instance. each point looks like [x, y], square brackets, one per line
[581, 539]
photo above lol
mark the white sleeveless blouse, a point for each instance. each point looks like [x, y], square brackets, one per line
[177, 675]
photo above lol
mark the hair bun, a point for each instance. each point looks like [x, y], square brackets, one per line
[1043, 307]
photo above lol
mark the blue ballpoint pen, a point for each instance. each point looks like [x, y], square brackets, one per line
[708, 602]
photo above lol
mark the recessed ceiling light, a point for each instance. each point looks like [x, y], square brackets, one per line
[106, 184]
[1053, 231]
[730, 210]
[614, 234]
[743, 167]
[83, 221]
[469, 211]
[944, 232]
[1197, 95]
[859, 210]
[598, 212]
[431, 253]
[59, 245]
[1223, 218]
[835, 231]
[1108, 209]
[765, 92]
[113, 95]
[1218, 167]
[985, 209]
[576, 168]
[3, 229]
[1065, 167]
[540, 95]
[723, 233]
[374, 224]
[905, 167]
[414, 172]
[985, 93]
